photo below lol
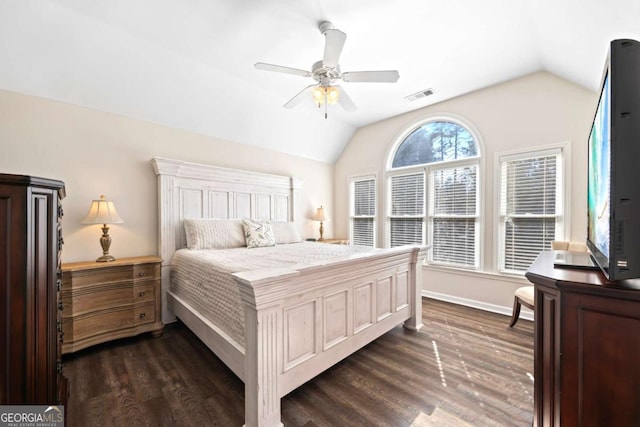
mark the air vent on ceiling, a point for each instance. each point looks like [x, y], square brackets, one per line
[418, 95]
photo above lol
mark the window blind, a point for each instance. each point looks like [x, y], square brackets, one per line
[454, 215]
[529, 207]
[363, 212]
[406, 220]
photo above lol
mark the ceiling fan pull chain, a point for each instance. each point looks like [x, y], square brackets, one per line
[326, 101]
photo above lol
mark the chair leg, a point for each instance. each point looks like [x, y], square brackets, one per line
[516, 311]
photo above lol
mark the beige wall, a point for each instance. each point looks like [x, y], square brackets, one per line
[99, 153]
[533, 111]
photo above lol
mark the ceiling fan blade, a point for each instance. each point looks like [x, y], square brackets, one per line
[296, 100]
[282, 69]
[387, 76]
[345, 101]
[334, 42]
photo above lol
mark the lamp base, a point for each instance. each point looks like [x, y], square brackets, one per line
[105, 242]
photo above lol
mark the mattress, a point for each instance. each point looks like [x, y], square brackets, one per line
[202, 278]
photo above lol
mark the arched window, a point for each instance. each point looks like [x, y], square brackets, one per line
[435, 142]
[433, 182]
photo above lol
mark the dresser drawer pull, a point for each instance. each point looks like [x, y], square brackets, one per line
[141, 274]
[60, 306]
[142, 315]
[141, 294]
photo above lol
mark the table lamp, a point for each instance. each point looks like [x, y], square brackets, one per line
[103, 212]
[320, 216]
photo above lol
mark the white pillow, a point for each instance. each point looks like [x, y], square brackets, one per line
[285, 232]
[209, 233]
[258, 234]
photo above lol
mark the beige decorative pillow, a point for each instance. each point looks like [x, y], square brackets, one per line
[209, 233]
[285, 232]
[258, 233]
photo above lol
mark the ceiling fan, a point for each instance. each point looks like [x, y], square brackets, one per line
[326, 71]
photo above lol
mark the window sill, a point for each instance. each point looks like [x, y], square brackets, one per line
[505, 277]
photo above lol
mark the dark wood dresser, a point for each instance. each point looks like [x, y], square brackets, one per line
[587, 347]
[30, 330]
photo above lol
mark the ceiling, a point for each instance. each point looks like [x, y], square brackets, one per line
[189, 64]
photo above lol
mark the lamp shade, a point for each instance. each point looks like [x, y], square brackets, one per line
[320, 215]
[102, 212]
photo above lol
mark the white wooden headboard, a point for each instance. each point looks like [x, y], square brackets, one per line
[192, 190]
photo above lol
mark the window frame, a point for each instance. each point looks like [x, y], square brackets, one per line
[563, 150]
[427, 168]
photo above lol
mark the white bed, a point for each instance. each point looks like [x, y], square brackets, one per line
[299, 318]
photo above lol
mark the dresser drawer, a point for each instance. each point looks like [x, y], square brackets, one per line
[144, 314]
[144, 292]
[144, 271]
[94, 298]
[80, 279]
[97, 323]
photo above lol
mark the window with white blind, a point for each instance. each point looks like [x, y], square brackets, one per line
[531, 208]
[433, 193]
[363, 211]
[454, 215]
[406, 219]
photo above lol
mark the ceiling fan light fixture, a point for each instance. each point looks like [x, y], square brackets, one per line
[328, 94]
[333, 94]
[318, 95]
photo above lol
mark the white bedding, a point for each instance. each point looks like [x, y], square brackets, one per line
[202, 278]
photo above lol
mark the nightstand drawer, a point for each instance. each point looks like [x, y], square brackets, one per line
[144, 292]
[144, 271]
[79, 279]
[87, 326]
[94, 298]
[144, 314]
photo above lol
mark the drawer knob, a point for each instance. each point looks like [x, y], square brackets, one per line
[141, 274]
[142, 315]
[141, 294]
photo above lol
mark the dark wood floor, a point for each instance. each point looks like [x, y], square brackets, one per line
[464, 368]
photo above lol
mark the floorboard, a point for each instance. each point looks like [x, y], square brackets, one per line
[466, 367]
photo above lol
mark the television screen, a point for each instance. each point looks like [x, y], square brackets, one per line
[613, 188]
[599, 173]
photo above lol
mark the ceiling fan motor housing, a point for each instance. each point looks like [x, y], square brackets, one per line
[324, 75]
[324, 26]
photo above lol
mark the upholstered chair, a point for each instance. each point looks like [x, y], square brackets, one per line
[525, 295]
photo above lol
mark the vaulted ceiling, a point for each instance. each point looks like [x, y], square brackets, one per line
[190, 64]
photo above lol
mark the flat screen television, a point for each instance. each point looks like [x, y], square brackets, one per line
[613, 188]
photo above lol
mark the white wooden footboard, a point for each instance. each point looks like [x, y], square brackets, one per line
[300, 322]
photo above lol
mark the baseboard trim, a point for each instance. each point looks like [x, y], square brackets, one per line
[506, 311]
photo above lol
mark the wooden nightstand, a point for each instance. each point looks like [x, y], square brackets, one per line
[103, 301]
